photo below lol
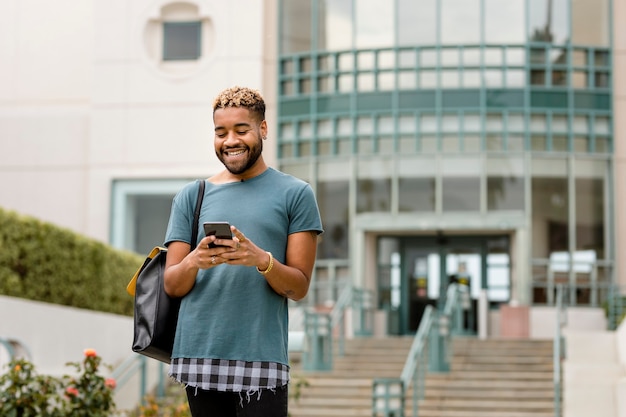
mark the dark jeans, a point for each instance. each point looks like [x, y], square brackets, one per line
[269, 403]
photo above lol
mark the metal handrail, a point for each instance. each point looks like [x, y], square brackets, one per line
[391, 392]
[14, 347]
[388, 394]
[338, 313]
[615, 307]
[138, 364]
[559, 348]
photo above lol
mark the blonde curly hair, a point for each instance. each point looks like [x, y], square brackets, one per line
[241, 97]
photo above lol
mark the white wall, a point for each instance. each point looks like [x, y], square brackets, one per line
[83, 101]
[55, 335]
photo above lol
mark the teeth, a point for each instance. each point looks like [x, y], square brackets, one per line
[235, 153]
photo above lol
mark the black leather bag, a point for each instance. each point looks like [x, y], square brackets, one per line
[155, 312]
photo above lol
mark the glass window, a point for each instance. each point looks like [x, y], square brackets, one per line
[504, 21]
[549, 215]
[590, 206]
[295, 27]
[498, 270]
[505, 193]
[460, 22]
[417, 22]
[460, 194]
[332, 199]
[416, 194]
[373, 195]
[406, 124]
[591, 22]
[374, 24]
[335, 25]
[182, 41]
[548, 21]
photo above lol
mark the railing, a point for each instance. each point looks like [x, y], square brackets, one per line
[15, 348]
[587, 283]
[615, 307]
[559, 348]
[319, 327]
[433, 339]
[137, 366]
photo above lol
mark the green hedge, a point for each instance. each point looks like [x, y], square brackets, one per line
[43, 262]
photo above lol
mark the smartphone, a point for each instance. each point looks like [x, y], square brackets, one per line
[221, 230]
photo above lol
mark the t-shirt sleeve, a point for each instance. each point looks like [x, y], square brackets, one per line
[305, 215]
[181, 217]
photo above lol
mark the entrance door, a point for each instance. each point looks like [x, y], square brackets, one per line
[423, 268]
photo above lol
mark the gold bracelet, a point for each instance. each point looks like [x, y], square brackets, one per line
[269, 267]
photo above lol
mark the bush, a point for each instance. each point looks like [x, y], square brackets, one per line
[43, 262]
[23, 393]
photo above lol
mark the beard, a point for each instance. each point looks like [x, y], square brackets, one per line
[239, 167]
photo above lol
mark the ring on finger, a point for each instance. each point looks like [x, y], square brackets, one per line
[213, 260]
[238, 245]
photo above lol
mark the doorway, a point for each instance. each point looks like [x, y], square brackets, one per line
[420, 269]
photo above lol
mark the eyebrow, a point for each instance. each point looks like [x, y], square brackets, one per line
[237, 125]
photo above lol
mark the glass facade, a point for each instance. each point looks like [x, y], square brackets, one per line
[425, 114]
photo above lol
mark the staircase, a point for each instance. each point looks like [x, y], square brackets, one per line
[492, 378]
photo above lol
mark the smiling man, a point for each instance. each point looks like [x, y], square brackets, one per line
[230, 350]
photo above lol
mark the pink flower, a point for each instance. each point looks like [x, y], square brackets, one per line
[71, 392]
[90, 353]
[110, 383]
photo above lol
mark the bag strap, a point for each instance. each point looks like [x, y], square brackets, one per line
[196, 215]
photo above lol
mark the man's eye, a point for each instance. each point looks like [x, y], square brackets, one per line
[242, 132]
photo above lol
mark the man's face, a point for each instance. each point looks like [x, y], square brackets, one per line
[238, 138]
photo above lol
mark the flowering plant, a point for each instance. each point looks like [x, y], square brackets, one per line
[23, 393]
[89, 394]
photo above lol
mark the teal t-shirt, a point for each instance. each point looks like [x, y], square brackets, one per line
[232, 312]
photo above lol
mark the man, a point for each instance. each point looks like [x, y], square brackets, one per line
[230, 350]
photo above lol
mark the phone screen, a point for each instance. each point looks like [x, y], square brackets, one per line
[220, 229]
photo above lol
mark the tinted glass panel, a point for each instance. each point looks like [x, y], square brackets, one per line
[417, 22]
[181, 40]
[590, 22]
[460, 21]
[548, 21]
[590, 215]
[296, 26]
[335, 25]
[505, 193]
[151, 213]
[374, 195]
[374, 23]
[332, 199]
[504, 22]
[550, 216]
[460, 194]
[416, 194]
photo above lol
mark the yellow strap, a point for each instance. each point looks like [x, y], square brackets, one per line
[130, 288]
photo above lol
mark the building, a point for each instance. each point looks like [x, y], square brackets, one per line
[447, 140]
